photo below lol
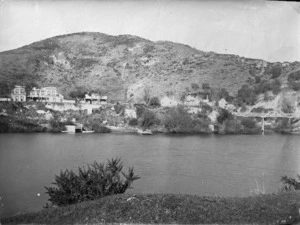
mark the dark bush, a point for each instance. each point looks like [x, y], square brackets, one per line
[133, 122]
[148, 119]
[294, 80]
[276, 71]
[224, 115]
[205, 86]
[248, 123]
[119, 108]
[178, 120]
[78, 92]
[95, 182]
[154, 101]
[246, 95]
[257, 79]
[195, 86]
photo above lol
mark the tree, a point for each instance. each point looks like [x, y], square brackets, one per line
[205, 86]
[148, 119]
[246, 95]
[276, 72]
[194, 86]
[287, 106]
[147, 94]
[154, 101]
[97, 181]
[224, 115]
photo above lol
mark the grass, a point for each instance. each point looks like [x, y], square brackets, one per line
[171, 208]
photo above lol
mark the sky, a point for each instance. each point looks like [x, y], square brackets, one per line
[268, 30]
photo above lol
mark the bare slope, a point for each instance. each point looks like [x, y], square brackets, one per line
[121, 66]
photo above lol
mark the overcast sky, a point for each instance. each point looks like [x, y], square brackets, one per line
[267, 30]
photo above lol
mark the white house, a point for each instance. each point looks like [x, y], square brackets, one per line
[192, 101]
[18, 94]
[46, 94]
[168, 102]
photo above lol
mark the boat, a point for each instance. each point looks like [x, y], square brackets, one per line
[144, 132]
[77, 128]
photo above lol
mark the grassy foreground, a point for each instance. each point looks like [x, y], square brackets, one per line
[171, 208]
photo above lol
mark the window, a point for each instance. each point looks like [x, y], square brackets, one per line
[22, 98]
[43, 92]
[48, 92]
[16, 98]
[22, 90]
[17, 90]
[53, 92]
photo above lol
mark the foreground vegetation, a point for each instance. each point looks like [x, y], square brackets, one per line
[171, 208]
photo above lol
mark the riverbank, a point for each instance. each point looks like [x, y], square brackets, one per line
[171, 208]
[35, 117]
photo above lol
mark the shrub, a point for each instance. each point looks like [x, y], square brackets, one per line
[294, 80]
[246, 95]
[276, 71]
[154, 101]
[95, 182]
[224, 115]
[287, 106]
[119, 108]
[178, 120]
[290, 184]
[257, 79]
[133, 122]
[148, 119]
[248, 123]
[205, 86]
[194, 86]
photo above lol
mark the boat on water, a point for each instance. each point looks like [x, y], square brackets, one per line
[77, 128]
[144, 132]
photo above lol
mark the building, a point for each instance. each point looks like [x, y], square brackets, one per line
[95, 99]
[103, 100]
[168, 102]
[18, 94]
[45, 94]
[92, 99]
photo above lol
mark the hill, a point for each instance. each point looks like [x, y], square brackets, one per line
[122, 66]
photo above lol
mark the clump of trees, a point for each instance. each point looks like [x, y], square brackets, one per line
[275, 72]
[246, 95]
[294, 80]
[177, 120]
[148, 119]
[96, 181]
[154, 101]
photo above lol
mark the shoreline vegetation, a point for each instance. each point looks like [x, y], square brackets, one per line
[32, 117]
[170, 209]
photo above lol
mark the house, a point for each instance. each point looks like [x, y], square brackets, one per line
[18, 94]
[103, 100]
[168, 102]
[191, 100]
[45, 94]
[92, 99]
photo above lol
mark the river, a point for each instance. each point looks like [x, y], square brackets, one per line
[225, 165]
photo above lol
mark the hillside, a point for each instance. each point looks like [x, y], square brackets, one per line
[122, 66]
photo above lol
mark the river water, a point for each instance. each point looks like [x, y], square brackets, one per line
[233, 165]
